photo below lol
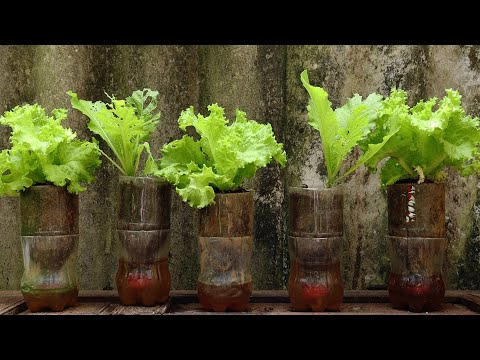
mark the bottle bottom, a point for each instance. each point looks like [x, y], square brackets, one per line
[144, 284]
[221, 298]
[50, 299]
[316, 287]
[316, 298]
[417, 293]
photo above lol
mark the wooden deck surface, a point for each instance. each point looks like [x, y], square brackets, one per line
[272, 302]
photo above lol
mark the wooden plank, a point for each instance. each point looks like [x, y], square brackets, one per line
[14, 308]
[98, 296]
[109, 309]
[474, 293]
[368, 296]
[82, 308]
[183, 296]
[262, 302]
[471, 301]
[10, 293]
[11, 302]
[347, 309]
[266, 296]
[281, 296]
[139, 310]
[118, 309]
[387, 309]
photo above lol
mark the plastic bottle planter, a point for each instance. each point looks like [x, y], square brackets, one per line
[226, 243]
[315, 248]
[143, 277]
[49, 234]
[416, 229]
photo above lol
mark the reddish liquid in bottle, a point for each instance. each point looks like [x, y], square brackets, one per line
[225, 297]
[416, 292]
[316, 287]
[143, 284]
[50, 299]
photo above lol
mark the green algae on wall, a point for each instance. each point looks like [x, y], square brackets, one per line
[263, 81]
[457, 67]
[15, 89]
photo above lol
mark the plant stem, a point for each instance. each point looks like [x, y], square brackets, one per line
[113, 162]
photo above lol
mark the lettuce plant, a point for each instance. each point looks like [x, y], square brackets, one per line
[419, 142]
[125, 125]
[220, 160]
[340, 129]
[44, 152]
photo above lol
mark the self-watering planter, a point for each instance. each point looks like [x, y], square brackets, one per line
[226, 243]
[416, 233]
[315, 219]
[414, 146]
[143, 276]
[208, 171]
[49, 235]
[316, 216]
[47, 166]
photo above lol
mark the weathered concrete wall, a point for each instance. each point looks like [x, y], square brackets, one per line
[264, 82]
[15, 89]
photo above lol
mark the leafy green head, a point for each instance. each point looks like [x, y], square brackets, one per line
[44, 152]
[125, 125]
[221, 160]
[340, 129]
[420, 142]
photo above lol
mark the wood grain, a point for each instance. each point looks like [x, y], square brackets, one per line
[262, 302]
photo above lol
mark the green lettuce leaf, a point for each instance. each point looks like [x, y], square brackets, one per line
[13, 173]
[421, 142]
[178, 159]
[125, 125]
[75, 163]
[145, 102]
[222, 158]
[340, 129]
[44, 152]
[199, 192]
